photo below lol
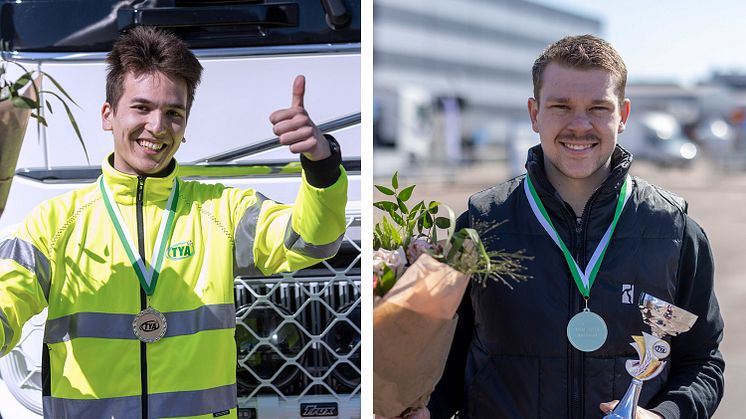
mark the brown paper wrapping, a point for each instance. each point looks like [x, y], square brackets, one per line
[413, 327]
[13, 123]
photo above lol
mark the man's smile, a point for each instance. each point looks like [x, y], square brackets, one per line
[578, 146]
[150, 146]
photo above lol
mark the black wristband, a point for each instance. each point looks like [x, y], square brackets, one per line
[323, 173]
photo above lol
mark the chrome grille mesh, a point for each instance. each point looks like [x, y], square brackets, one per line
[299, 333]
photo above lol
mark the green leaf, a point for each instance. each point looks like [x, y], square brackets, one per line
[397, 218]
[395, 180]
[474, 236]
[457, 242]
[427, 221]
[72, 122]
[22, 102]
[59, 87]
[442, 222]
[387, 281]
[402, 207]
[384, 190]
[40, 119]
[406, 193]
[393, 233]
[22, 81]
[385, 205]
[49, 106]
[420, 205]
[74, 125]
[433, 207]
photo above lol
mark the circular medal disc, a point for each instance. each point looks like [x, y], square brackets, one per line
[149, 325]
[587, 331]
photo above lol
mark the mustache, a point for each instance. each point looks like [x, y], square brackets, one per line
[571, 137]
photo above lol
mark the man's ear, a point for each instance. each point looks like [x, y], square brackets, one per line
[533, 110]
[625, 109]
[106, 114]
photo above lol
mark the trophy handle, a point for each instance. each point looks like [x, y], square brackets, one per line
[627, 407]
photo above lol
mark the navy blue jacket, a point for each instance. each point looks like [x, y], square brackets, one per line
[511, 358]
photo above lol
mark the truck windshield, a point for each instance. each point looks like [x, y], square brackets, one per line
[92, 25]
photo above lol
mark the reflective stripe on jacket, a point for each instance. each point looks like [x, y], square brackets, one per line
[66, 255]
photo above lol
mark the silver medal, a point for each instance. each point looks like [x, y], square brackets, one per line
[587, 331]
[149, 325]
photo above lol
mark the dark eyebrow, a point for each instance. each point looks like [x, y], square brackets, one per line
[169, 105]
[558, 99]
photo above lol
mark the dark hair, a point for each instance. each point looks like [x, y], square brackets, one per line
[146, 50]
[582, 52]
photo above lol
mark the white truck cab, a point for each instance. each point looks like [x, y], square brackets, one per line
[298, 334]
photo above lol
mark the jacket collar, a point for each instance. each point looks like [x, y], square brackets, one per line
[621, 160]
[124, 186]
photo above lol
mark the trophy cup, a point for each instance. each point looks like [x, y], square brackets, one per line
[664, 319]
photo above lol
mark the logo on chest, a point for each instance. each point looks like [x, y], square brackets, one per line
[628, 293]
[181, 250]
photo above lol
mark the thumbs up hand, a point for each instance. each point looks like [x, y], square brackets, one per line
[296, 129]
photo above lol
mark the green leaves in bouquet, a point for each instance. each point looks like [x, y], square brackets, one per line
[418, 221]
[464, 250]
[386, 236]
[12, 91]
[482, 264]
[385, 282]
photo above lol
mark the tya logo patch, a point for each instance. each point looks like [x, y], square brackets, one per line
[180, 250]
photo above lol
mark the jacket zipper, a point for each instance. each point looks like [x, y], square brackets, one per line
[577, 370]
[143, 296]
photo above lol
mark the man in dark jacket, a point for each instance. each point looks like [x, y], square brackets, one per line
[513, 355]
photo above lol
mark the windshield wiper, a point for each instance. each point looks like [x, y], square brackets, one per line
[272, 143]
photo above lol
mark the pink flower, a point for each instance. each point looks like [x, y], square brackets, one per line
[416, 248]
[394, 259]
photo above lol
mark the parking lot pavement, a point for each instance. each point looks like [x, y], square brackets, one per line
[717, 201]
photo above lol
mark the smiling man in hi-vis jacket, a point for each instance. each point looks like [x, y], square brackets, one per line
[137, 268]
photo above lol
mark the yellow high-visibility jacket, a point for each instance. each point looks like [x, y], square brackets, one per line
[67, 256]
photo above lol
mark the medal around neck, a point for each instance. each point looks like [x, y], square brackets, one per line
[149, 325]
[148, 277]
[587, 331]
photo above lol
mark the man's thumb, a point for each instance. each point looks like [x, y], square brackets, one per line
[299, 90]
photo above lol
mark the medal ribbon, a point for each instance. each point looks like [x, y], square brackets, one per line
[148, 278]
[584, 280]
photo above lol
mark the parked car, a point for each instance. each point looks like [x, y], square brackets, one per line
[298, 334]
[657, 137]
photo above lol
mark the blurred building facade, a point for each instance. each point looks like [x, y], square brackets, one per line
[452, 77]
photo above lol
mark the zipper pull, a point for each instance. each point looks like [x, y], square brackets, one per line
[140, 188]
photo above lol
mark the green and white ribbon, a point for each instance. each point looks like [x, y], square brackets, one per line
[148, 278]
[584, 280]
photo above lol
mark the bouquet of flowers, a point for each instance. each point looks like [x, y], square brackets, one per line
[419, 282]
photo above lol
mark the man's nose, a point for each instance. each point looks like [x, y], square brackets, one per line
[580, 122]
[155, 124]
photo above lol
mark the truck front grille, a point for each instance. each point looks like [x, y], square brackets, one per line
[298, 334]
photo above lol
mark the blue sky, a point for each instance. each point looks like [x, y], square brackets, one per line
[682, 40]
